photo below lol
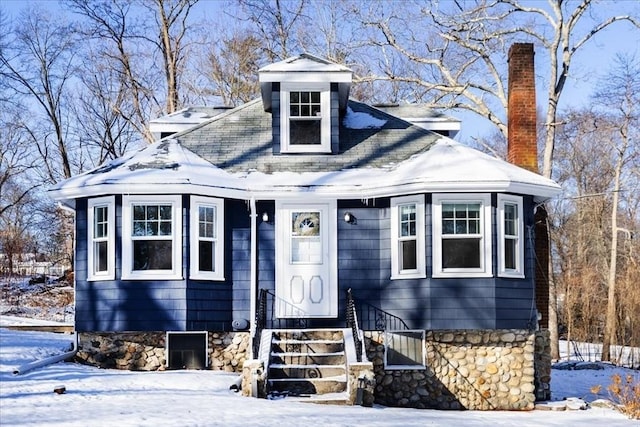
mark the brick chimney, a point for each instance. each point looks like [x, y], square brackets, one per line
[523, 151]
[523, 144]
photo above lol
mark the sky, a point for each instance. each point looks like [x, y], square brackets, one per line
[588, 65]
[103, 397]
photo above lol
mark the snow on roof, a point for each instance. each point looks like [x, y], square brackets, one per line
[168, 168]
[305, 68]
[360, 120]
[304, 62]
[162, 167]
[191, 115]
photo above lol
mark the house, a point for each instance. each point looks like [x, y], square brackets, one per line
[271, 227]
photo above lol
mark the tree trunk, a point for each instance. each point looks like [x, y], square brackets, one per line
[611, 319]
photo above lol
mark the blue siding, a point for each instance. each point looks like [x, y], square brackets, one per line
[515, 298]
[130, 306]
[159, 305]
[364, 264]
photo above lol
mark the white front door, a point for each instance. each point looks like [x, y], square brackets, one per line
[306, 267]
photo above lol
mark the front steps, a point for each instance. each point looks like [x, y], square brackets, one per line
[308, 364]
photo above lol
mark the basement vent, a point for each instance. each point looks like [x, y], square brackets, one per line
[187, 350]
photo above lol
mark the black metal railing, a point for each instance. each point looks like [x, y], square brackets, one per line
[359, 316]
[373, 318]
[261, 320]
[352, 322]
[291, 316]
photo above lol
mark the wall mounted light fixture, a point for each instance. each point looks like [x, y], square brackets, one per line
[349, 218]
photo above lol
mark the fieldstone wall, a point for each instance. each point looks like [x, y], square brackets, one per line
[542, 364]
[465, 369]
[145, 351]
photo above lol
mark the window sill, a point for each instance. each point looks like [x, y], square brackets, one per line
[151, 276]
[461, 274]
[408, 276]
[100, 278]
[211, 278]
[306, 149]
[509, 275]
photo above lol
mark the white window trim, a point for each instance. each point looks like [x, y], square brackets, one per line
[420, 271]
[195, 273]
[325, 123]
[390, 367]
[109, 202]
[518, 272]
[485, 269]
[127, 243]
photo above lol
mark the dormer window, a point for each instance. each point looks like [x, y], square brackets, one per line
[305, 118]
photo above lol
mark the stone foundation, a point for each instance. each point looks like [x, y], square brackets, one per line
[145, 351]
[466, 369]
[542, 364]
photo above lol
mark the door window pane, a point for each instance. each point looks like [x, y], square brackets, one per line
[306, 243]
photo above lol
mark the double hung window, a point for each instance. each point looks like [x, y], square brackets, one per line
[101, 238]
[510, 236]
[207, 219]
[407, 235]
[461, 235]
[152, 230]
[305, 118]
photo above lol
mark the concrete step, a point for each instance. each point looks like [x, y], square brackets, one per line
[341, 398]
[310, 334]
[307, 363]
[305, 371]
[291, 358]
[306, 346]
[308, 386]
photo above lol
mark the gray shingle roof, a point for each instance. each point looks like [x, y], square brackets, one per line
[241, 140]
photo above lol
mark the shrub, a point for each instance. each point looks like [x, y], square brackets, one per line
[626, 394]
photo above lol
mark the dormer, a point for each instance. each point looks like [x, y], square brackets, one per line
[306, 97]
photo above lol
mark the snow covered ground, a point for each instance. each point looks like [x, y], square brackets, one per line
[101, 397]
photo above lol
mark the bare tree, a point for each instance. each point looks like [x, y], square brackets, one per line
[39, 64]
[619, 94]
[16, 161]
[109, 25]
[101, 108]
[276, 22]
[171, 19]
[233, 68]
